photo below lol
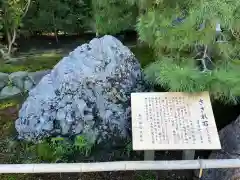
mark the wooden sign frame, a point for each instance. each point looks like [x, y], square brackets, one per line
[173, 121]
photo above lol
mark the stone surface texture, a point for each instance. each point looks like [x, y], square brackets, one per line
[230, 141]
[19, 82]
[87, 92]
[3, 80]
[37, 76]
[9, 91]
[18, 78]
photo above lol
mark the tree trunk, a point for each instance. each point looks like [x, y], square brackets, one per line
[97, 33]
[56, 35]
[55, 29]
[11, 40]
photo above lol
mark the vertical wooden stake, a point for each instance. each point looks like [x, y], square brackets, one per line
[149, 155]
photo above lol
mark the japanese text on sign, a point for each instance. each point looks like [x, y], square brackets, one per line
[173, 121]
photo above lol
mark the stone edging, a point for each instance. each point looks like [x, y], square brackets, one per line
[19, 82]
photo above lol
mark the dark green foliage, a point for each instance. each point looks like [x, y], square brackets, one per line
[128, 148]
[144, 54]
[184, 76]
[193, 55]
[57, 16]
[51, 150]
[83, 144]
[113, 16]
[59, 149]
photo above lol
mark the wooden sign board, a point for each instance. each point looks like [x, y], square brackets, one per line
[173, 121]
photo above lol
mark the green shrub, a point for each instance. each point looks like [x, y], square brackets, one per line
[83, 145]
[59, 148]
[57, 16]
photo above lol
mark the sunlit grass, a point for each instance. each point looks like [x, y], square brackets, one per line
[6, 105]
[33, 63]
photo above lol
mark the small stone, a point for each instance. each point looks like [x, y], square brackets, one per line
[9, 91]
[28, 85]
[37, 76]
[18, 78]
[3, 80]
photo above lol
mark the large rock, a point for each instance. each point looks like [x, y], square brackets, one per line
[87, 92]
[3, 80]
[230, 141]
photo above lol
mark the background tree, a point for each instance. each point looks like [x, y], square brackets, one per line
[1, 30]
[113, 16]
[57, 15]
[13, 11]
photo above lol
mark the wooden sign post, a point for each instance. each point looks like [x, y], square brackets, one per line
[173, 121]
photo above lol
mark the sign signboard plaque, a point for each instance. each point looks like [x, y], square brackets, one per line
[173, 121]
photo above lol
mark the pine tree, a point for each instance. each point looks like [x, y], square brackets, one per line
[196, 45]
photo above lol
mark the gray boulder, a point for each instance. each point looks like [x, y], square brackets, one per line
[18, 78]
[37, 76]
[87, 93]
[230, 141]
[3, 80]
[9, 91]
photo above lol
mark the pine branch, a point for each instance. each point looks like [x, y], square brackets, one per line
[203, 59]
[222, 83]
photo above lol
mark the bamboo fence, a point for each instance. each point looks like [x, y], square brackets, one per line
[119, 166]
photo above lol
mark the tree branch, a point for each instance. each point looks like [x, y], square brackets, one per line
[203, 62]
[12, 41]
[12, 37]
[26, 8]
[236, 35]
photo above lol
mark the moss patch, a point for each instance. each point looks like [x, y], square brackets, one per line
[8, 103]
[16, 177]
[33, 63]
[8, 114]
[47, 60]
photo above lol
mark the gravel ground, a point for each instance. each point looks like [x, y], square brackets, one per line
[129, 175]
